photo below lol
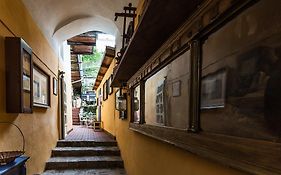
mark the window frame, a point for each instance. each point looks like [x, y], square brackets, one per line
[105, 93]
[176, 55]
[224, 149]
[142, 118]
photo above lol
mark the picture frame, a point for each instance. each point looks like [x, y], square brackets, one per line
[213, 90]
[41, 88]
[176, 88]
[105, 92]
[19, 69]
[110, 89]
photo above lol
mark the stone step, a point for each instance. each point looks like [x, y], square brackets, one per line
[85, 151]
[93, 162]
[86, 172]
[64, 143]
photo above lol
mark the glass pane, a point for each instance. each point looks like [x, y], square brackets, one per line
[26, 99]
[167, 94]
[40, 87]
[26, 71]
[136, 104]
[241, 75]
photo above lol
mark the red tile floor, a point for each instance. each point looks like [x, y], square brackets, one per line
[84, 133]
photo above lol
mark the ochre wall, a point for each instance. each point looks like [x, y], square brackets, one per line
[108, 112]
[143, 155]
[41, 127]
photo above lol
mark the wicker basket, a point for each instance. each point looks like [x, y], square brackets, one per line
[9, 156]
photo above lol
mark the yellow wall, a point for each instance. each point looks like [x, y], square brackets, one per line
[108, 113]
[143, 155]
[41, 127]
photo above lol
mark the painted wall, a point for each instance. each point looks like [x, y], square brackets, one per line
[108, 112]
[145, 155]
[41, 127]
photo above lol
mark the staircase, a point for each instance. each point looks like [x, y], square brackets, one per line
[75, 116]
[85, 157]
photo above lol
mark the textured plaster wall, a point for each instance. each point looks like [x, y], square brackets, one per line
[145, 155]
[41, 127]
[108, 112]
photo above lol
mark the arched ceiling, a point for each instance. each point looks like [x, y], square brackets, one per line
[62, 19]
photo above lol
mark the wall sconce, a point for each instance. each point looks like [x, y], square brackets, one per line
[121, 102]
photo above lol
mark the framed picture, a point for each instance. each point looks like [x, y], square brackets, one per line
[110, 89]
[41, 88]
[105, 92]
[55, 86]
[176, 88]
[213, 87]
[26, 64]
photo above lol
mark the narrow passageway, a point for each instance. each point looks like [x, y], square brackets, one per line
[85, 151]
[83, 133]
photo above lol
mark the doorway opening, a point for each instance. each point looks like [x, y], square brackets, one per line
[86, 52]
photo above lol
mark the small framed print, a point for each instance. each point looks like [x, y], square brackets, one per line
[105, 91]
[110, 88]
[176, 89]
[213, 89]
[41, 88]
[55, 86]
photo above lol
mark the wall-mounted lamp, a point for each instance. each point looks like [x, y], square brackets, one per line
[121, 105]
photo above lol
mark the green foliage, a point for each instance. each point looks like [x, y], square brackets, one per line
[90, 66]
[94, 58]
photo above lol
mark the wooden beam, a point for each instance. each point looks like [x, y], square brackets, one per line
[81, 49]
[82, 40]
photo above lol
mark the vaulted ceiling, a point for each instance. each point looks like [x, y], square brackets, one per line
[60, 20]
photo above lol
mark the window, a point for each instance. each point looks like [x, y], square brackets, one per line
[234, 86]
[136, 104]
[105, 91]
[241, 75]
[167, 94]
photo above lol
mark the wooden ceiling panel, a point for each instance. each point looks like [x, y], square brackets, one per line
[107, 60]
[82, 40]
[81, 49]
[159, 21]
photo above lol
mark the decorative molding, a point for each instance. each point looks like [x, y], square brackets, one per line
[208, 13]
[230, 151]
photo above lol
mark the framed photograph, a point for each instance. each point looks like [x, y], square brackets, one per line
[55, 86]
[105, 92]
[18, 67]
[41, 88]
[26, 63]
[176, 88]
[110, 89]
[213, 87]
